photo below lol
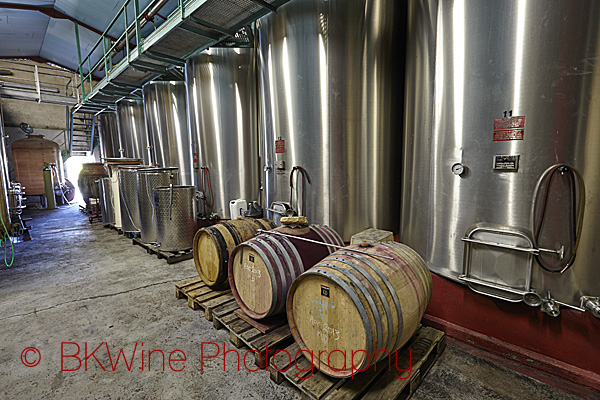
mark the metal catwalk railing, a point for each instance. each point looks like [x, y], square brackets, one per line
[113, 69]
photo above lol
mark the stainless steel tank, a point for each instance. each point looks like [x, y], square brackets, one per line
[148, 180]
[175, 217]
[166, 119]
[221, 88]
[106, 201]
[502, 120]
[132, 129]
[330, 90]
[129, 198]
[112, 165]
[108, 132]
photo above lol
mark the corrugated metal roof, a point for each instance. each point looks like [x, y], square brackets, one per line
[31, 33]
[22, 32]
[43, 3]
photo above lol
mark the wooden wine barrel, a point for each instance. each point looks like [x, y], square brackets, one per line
[262, 269]
[213, 245]
[352, 301]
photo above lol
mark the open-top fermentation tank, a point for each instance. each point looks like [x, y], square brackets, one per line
[221, 94]
[166, 119]
[331, 88]
[502, 120]
[132, 129]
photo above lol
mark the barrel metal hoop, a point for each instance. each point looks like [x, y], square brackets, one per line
[417, 266]
[390, 289]
[234, 233]
[333, 236]
[355, 300]
[337, 238]
[382, 297]
[324, 237]
[284, 281]
[294, 250]
[285, 254]
[367, 295]
[222, 243]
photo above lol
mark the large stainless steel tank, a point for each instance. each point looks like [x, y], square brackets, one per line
[108, 133]
[221, 87]
[166, 119]
[497, 94]
[330, 86]
[132, 129]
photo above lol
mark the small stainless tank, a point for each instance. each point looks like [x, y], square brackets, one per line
[175, 217]
[129, 203]
[147, 181]
[106, 200]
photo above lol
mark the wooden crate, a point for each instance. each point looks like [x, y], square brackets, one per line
[171, 256]
[376, 383]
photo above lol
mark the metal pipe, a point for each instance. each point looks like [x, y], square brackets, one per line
[29, 87]
[49, 188]
[147, 17]
[325, 244]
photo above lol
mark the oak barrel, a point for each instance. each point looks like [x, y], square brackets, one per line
[213, 245]
[262, 269]
[354, 302]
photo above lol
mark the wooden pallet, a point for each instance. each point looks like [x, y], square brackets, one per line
[113, 227]
[265, 337]
[416, 358]
[200, 296]
[222, 309]
[171, 256]
[131, 235]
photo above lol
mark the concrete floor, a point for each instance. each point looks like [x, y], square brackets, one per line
[76, 282]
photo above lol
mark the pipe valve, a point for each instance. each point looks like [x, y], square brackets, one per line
[592, 304]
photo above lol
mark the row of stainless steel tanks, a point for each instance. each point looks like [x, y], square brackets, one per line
[493, 155]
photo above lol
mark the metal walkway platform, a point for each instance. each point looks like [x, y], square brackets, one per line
[193, 26]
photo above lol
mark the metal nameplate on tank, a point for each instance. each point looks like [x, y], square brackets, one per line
[506, 162]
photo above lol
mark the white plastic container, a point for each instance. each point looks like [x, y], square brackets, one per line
[237, 208]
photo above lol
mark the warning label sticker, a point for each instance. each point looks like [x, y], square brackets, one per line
[512, 128]
[280, 146]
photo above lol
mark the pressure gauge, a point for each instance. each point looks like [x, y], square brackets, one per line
[458, 169]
